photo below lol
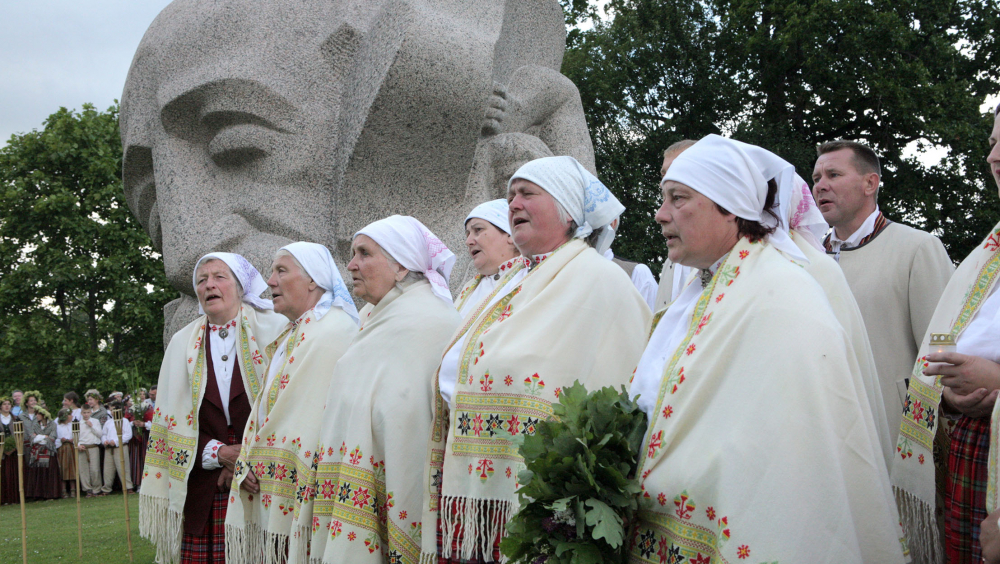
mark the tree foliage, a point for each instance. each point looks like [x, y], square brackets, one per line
[81, 289]
[789, 75]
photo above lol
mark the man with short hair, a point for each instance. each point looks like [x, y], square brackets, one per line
[89, 455]
[16, 395]
[670, 281]
[896, 272]
[113, 464]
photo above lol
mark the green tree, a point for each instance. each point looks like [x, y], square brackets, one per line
[81, 288]
[789, 75]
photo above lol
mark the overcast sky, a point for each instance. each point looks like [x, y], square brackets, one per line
[65, 53]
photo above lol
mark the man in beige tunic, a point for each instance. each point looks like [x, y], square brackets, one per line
[897, 273]
[670, 282]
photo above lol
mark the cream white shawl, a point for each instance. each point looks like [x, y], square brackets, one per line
[761, 449]
[365, 489]
[575, 316]
[279, 452]
[831, 278]
[173, 438]
[914, 467]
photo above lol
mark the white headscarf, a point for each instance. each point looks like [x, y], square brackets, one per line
[589, 202]
[412, 245]
[734, 175]
[318, 263]
[493, 211]
[252, 282]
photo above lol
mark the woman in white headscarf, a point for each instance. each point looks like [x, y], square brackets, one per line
[277, 451]
[572, 316]
[761, 442]
[212, 371]
[487, 236]
[364, 494]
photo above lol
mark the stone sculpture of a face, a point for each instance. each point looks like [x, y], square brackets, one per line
[248, 125]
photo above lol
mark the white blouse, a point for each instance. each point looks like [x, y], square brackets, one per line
[448, 375]
[669, 333]
[224, 359]
[980, 337]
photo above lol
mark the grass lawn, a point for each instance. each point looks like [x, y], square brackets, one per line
[52, 535]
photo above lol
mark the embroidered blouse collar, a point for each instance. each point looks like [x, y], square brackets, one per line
[230, 325]
[506, 266]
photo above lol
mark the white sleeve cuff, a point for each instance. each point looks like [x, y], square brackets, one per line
[210, 456]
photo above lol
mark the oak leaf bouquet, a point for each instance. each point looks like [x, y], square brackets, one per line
[580, 491]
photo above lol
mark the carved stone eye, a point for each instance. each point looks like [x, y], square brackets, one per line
[240, 145]
[140, 190]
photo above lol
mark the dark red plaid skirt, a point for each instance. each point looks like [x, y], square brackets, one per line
[965, 489]
[210, 546]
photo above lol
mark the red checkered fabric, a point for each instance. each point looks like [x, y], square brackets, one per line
[210, 546]
[965, 489]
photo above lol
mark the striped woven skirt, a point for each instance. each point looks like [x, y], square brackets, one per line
[67, 461]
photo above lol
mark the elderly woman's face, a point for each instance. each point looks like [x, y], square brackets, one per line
[488, 245]
[994, 157]
[292, 290]
[697, 233]
[535, 219]
[372, 273]
[218, 291]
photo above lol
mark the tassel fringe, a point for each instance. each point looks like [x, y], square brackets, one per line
[481, 522]
[920, 528]
[252, 544]
[162, 527]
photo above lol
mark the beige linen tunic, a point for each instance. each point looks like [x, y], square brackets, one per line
[897, 279]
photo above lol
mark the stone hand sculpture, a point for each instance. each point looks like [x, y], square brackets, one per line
[247, 125]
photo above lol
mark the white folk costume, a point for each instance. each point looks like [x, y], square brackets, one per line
[761, 444]
[574, 316]
[915, 467]
[174, 433]
[480, 286]
[897, 274]
[280, 431]
[366, 492]
[806, 227]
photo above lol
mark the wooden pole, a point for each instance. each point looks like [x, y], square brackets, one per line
[117, 414]
[76, 454]
[19, 443]
[1, 460]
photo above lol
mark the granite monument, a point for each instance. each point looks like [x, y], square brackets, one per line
[249, 124]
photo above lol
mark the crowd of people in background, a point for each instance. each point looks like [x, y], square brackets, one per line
[50, 459]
